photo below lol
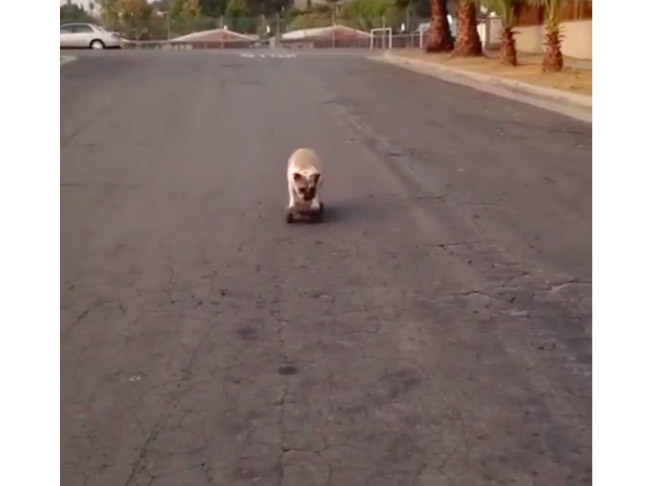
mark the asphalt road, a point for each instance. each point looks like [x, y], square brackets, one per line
[435, 330]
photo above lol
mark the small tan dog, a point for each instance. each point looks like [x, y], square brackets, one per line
[304, 183]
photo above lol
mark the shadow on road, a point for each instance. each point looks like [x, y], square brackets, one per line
[361, 210]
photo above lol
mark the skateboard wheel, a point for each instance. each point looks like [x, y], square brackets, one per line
[318, 215]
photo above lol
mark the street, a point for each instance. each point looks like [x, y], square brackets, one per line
[434, 330]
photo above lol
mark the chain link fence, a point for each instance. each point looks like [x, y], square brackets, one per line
[405, 29]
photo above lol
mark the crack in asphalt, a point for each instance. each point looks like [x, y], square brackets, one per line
[143, 452]
[81, 317]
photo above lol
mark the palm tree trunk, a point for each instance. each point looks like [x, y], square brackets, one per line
[439, 38]
[508, 53]
[553, 58]
[468, 42]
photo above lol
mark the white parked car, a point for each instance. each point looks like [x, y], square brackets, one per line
[84, 35]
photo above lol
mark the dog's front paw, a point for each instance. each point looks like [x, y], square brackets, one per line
[290, 217]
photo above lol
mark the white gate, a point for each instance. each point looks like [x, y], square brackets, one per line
[384, 36]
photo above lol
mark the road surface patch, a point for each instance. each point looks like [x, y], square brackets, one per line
[67, 59]
[263, 56]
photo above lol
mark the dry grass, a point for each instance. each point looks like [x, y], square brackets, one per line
[572, 79]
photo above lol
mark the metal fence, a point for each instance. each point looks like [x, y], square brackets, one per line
[490, 32]
[162, 28]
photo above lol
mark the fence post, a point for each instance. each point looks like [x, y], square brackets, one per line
[221, 21]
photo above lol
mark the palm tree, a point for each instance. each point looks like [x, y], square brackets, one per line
[467, 42]
[553, 58]
[439, 38]
[509, 10]
[109, 13]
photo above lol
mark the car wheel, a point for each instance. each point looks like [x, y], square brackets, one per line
[97, 44]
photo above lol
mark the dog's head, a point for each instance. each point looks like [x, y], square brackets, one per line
[306, 184]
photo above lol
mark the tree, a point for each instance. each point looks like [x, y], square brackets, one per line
[134, 14]
[109, 12]
[439, 38]
[309, 21]
[74, 13]
[134, 9]
[236, 8]
[553, 58]
[191, 10]
[212, 8]
[175, 8]
[332, 9]
[421, 8]
[368, 14]
[509, 10]
[467, 42]
[160, 5]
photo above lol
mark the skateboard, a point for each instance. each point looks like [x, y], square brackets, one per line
[313, 216]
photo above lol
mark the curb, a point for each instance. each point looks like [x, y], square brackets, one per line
[67, 59]
[487, 82]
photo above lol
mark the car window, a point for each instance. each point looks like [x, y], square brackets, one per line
[82, 29]
[66, 30]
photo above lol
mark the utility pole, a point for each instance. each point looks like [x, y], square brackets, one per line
[407, 15]
[168, 19]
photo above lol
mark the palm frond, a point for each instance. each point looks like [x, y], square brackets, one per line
[553, 8]
[505, 9]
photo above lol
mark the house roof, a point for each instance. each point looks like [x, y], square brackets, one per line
[321, 32]
[215, 35]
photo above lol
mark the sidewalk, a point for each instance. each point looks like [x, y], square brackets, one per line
[576, 78]
[525, 58]
[569, 91]
[66, 59]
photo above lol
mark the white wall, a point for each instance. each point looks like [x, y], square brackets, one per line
[576, 42]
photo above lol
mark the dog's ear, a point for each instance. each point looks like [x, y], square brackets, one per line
[297, 177]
